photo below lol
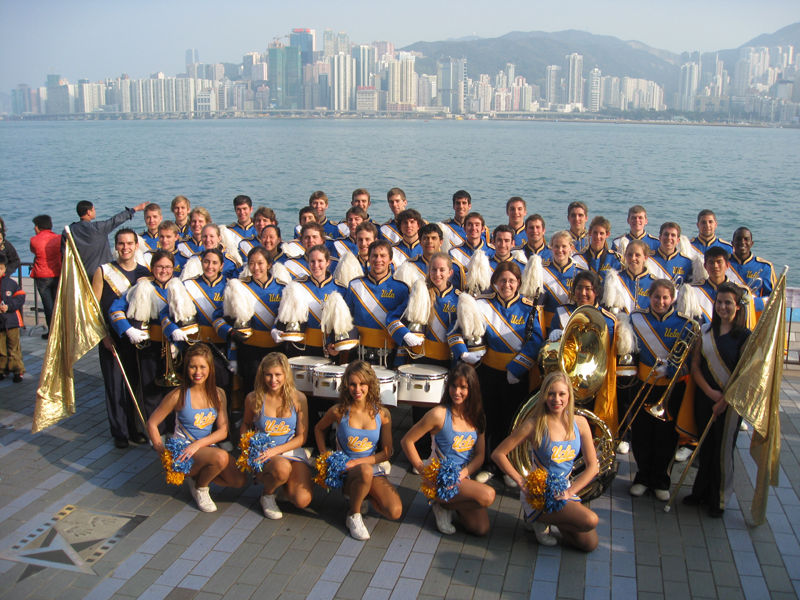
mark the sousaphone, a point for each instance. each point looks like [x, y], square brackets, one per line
[582, 354]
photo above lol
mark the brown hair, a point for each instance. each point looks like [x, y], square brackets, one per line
[177, 199]
[364, 372]
[210, 386]
[472, 412]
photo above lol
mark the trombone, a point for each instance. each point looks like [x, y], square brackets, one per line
[677, 359]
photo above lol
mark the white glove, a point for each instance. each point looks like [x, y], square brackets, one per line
[179, 336]
[174, 351]
[511, 379]
[555, 335]
[277, 335]
[661, 370]
[136, 336]
[472, 357]
[232, 365]
[413, 339]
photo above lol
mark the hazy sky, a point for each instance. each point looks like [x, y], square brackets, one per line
[96, 39]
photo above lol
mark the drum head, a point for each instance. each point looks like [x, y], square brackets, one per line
[423, 371]
[303, 362]
[384, 375]
[329, 370]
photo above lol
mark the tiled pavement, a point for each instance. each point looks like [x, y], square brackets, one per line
[180, 553]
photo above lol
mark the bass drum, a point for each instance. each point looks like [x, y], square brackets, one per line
[604, 446]
[303, 367]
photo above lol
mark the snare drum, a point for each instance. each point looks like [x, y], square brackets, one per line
[302, 367]
[326, 380]
[420, 384]
[388, 382]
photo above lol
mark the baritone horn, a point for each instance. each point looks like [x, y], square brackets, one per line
[170, 378]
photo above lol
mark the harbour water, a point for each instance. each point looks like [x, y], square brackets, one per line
[748, 176]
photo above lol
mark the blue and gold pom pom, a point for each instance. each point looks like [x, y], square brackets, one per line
[440, 479]
[252, 445]
[176, 470]
[331, 469]
[542, 488]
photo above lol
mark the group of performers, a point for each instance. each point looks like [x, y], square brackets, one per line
[231, 303]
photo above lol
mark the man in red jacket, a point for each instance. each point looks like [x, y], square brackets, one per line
[46, 250]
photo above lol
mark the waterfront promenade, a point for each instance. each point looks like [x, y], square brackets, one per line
[81, 519]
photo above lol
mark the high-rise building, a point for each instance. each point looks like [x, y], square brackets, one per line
[192, 56]
[54, 81]
[366, 99]
[393, 81]
[259, 72]
[408, 81]
[305, 39]
[248, 60]
[21, 99]
[328, 43]
[594, 90]
[575, 79]
[510, 68]
[687, 86]
[365, 61]
[341, 43]
[61, 99]
[343, 82]
[215, 72]
[553, 85]
[383, 48]
[609, 92]
[285, 76]
[451, 79]
[741, 78]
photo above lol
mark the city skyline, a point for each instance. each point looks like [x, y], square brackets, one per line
[38, 36]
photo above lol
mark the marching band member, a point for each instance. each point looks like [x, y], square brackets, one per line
[557, 435]
[271, 242]
[713, 361]
[577, 215]
[110, 282]
[517, 210]
[276, 408]
[513, 340]
[306, 215]
[376, 301]
[243, 228]
[136, 315]
[148, 239]
[201, 418]
[707, 233]
[474, 227]
[397, 203]
[212, 240]
[408, 246]
[635, 277]
[192, 244]
[637, 219]
[503, 248]
[559, 273]
[257, 298]
[312, 234]
[654, 441]
[180, 207]
[319, 204]
[749, 267]
[457, 429]
[360, 198]
[207, 293]
[347, 243]
[261, 218]
[430, 240]
[455, 228]
[168, 236]
[364, 433]
[667, 262]
[536, 244]
[599, 258]
[366, 233]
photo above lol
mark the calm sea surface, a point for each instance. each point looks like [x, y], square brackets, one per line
[747, 176]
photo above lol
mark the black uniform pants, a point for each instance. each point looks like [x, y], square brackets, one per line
[654, 441]
[119, 404]
[708, 481]
[152, 366]
[501, 401]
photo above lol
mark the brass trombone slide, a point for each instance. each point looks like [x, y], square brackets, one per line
[650, 386]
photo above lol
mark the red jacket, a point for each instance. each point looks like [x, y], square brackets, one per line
[46, 249]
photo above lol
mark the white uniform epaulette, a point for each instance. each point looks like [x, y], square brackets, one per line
[697, 283]
[247, 279]
[680, 314]
[336, 281]
[487, 296]
[300, 278]
[401, 281]
[149, 278]
[526, 300]
[641, 310]
[281, 281]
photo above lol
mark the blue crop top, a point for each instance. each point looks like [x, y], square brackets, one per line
[454, 445]
[357, 443]
[194, 424]
[280, 429]
[557, 457]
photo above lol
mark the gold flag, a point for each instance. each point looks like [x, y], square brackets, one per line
[76, 327]
[754, 392]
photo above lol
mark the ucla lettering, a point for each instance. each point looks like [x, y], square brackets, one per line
[274, 297]
[387, 293]
[517, 320]
[217, 297]
[642, 292]
[753, 274]
[562, 454]
[462, 443]
[678, 271]
[672, 333]
[357, 444]
[449, 308]
[274, 428]
[203, 420]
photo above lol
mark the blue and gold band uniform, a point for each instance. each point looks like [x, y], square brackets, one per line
[494, 261]
[180, 261]
[705, 292]
[402, 251]
[558, 286]
[652, 242]
[331, 228]
[520, 237]
[461, 254]
[298, 267]
[116, 283]
[753, 268]
[543, 251]
[190, 247]
[390, 231]
[636, 288]
[701, 245]
[376, 306]
[149, 241]
[184, 232]
[601, 262]
[653, 441]
[345, 244]
[459, 273]
[318, 294]
[441, 323]
[248, 354]
[244, 232]
[229, 268]
[456, 234]
[509, 350]
[151, 362]
[561, 318]
[676, 266]
[579, 241]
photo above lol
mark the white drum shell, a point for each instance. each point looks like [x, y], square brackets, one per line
[420, 384]
[326, 380]
[388, 382]
[302, 368]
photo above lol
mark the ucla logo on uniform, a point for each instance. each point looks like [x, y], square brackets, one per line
[642, 292]
[357, 444]
[203, 420]
[753, 274]
[277, 429]
[677, 271]
[672, 333]
[463, 443]
[217, 297]
[562, 454]
[274, 297]
[387, 293]
[449, 308]
[517, 320]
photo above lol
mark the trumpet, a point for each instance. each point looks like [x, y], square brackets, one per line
[676, 359]
[171, 377]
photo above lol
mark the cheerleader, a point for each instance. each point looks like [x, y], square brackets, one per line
[457, 429]
[557, 436]
[364, 434]
[559, 273]
[201, 418]
[713, 361]
[513, 340]
[279, 410]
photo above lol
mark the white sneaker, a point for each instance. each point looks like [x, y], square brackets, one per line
[683, 454]
[542, 532]
[203, 499]
[444, 519]
[662, 495]
[743, 426]
[637, 489]
[364, 507]
[356, 526]
[509, 482]
[623, 448]
[483, 476]
[191, 483]
[271, 510]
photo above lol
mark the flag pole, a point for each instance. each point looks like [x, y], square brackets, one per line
[689, 464]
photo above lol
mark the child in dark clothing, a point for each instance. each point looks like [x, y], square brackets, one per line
[12, 299]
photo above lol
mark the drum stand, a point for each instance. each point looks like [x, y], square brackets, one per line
[372, 355]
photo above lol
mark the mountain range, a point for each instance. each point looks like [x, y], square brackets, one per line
[531, 52]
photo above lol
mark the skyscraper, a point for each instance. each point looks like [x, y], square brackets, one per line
[365, 60]
[285, 76]
[342, 43]
[687, 86]
[594, 90]
[553, 85]
[192, 56]
[328, 43]
[305, 39]
[343, 82]
[575, 79]
[450, 80]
